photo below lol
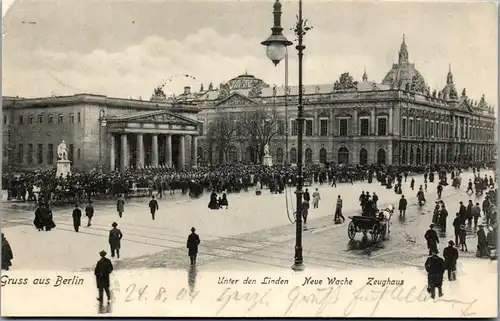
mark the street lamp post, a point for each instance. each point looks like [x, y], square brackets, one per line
[102, 124]
[276, 50]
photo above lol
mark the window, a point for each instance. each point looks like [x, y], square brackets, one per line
[295, 127]
[403, 127]
[417, 127]
[21, 120]
[79, 117]
[78, 154]
[50, 154]
[365, 126]
[426, 128]
[309, 127]
[343, 127]
[39, 154]
[30, 120]
[281, 127]
[71, 118]
[71, 152]
[410, 128]
[382, 126]
[30, 154]
[323, 127]
[60, 120]
[5, 119]
[20, 154]
[50, 118]
[40, 119]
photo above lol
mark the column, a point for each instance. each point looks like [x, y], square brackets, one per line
[391, 120]
[112, 151]
[454, 123]
[389, 153]
[124, 153]
[372, 121]
[168, 150]
[140, 150]
[355, 129]
[194, 151]
[182, 153]
[154, 150]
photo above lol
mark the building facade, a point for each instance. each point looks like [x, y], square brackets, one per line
[100, 132]
[398, 121]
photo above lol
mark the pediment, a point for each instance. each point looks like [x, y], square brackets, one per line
[465, 105]
[162, 116]
[343, 114]
[236, 99]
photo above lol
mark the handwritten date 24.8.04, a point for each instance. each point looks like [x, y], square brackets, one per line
[141, 293]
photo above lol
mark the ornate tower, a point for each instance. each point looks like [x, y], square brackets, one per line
[403, 52]
[365, 77]
[449, 91]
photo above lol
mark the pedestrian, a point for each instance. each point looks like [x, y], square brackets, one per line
[375, 199]
[338, 211]
[432, 239]
[115, 236]
[153, 206]
[463, 238]
[102, 270]
[434, 265]
[304, 210]
[89, 212]
[7, 255]
[307, 197]
[443, 217]
[403, 203]
[476, 214]
[450, 255]
[193, 242]
[120, 205]
[435, 214]
[77, 218]
[457, 222]
[439, 190]
[469, 187]
[316, 198]
[468, 213]
[412, 184]
[482, 242]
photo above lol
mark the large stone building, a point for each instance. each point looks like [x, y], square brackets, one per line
[398, 121]
[100, 132]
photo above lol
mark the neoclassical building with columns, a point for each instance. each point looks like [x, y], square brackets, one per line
[400, 120]
[100, 132]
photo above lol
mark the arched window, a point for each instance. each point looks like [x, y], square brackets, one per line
[293, 156]
[412, 156]
[427, 156]
[381, 156]
[279, 155]
[363, 157]
[419, 156]
[309, 156]
[343, 155]
[322, 155]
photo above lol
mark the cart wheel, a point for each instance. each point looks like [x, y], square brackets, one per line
[351, 230]
[375, 234]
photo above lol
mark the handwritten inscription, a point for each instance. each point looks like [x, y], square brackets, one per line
[142, 293]
[250, 299]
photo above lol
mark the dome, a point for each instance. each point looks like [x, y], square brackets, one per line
[403, 74]
[246, 81]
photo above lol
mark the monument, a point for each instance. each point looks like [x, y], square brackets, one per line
[63, 164]
[267, 160]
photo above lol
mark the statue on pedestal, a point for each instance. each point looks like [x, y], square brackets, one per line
[62, 151]
[266, 150]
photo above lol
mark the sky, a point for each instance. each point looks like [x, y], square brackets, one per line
[127, 48]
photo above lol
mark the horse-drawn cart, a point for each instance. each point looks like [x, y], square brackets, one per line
[377, 226]
[457, 181]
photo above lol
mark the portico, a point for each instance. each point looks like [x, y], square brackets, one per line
[152, 139]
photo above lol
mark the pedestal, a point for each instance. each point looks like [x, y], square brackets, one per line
[63, 167]
[267, 160]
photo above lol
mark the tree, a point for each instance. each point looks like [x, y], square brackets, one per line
[221, 134]
[259, 127]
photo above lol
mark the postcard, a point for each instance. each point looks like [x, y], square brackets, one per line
[249, 159]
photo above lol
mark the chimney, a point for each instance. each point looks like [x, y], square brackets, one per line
[187, 90]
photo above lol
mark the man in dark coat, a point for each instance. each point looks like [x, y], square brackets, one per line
[89, 212]
[77, 218]
[435, 269]
[403, 203]
[432, 239]
[102, 270]
[115, 236]
[307, 196]
[456, 225]
[439, 190]
[450, 255]
[192, 245]
[120, 206]
[7, 255]
[443, 216]
[153, 206]
[482, 242]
